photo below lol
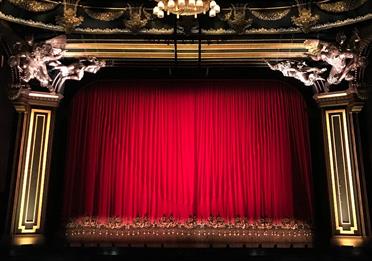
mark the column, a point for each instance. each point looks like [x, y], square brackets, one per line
[36, 114]
[344, 164]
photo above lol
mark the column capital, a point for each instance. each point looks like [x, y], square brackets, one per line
[351, 99]
[29, 98]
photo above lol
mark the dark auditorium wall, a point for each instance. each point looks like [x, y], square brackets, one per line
[7, 134]
[366, 135]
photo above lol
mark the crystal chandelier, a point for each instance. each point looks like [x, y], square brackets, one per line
[186, 7]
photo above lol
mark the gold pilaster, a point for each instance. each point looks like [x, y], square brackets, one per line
[347, 195]
[36, 112]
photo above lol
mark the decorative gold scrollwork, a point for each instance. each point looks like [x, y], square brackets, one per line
[107, 15]
[341, 6]
[305, 19]
[271, 14]
[138, 18]
[237, 19]
[34, 5]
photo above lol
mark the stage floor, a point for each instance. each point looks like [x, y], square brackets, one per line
[180, 254]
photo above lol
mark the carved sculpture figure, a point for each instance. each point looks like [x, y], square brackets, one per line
[343, 62]
[299, 70]
[39, 61]
[74, 71]
[32, 64]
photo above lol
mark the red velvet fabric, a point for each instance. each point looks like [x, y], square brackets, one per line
[188, 148]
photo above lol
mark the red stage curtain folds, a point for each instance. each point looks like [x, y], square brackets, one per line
[188, 148]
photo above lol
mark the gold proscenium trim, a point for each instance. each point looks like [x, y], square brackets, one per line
[29, 219]
[349, 225]
[187, 51]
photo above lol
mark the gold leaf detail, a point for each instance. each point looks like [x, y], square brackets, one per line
[341, 6]
[271, 15]
[34, 5]
[107, 15]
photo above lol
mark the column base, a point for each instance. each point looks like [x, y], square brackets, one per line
[20, 240]
[352, 241]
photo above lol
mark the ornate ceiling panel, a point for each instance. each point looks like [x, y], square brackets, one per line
[237, 17]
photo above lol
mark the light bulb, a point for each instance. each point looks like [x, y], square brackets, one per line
[155, 10]
[212, 4]
[181, 3]
[212, 13]
[161, 5]
[217, 8]
[199, 3]
[171, 4]
[191, 3]
[160, 14]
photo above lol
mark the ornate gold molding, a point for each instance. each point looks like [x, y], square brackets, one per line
[249, 31]
[107, 15]
[34, 5]
[341, 6]
[305, 19]
[285, 232]
[271, 14]
[188, 51]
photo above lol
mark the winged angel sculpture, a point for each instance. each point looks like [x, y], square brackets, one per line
[343, 59]
[41, 61]
[298, 70]
[343, 62]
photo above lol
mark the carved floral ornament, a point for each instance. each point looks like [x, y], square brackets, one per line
[69, 20]
[305, 19]
[43, 62]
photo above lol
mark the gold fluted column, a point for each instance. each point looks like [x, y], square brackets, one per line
[344, 164]
[36, 113]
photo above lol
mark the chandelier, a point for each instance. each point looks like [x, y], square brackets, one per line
[186, 7]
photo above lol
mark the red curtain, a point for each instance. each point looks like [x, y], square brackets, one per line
[188, 148]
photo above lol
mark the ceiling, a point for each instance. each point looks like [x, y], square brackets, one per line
[237, 17]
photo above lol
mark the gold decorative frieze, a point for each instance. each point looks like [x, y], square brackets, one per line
[106, 15]
[35, 6]
[167, 30]
[341, 6]
[342, 185]
[286, 232]
[33, 174]
[270, 14]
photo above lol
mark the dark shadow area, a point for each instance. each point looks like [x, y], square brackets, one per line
[183, 254]
[7, 139]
